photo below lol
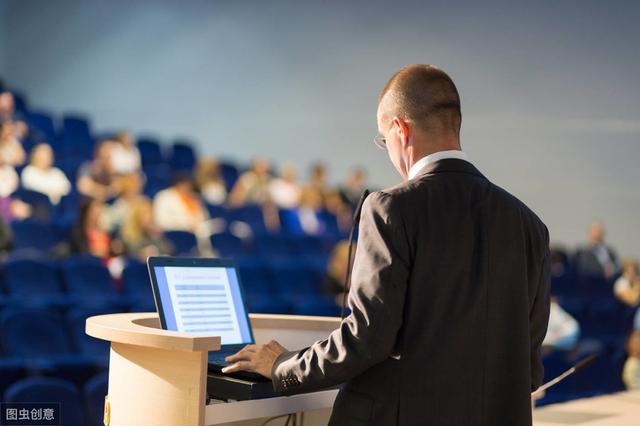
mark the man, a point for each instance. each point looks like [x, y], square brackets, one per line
[450, 287]
[597, 259]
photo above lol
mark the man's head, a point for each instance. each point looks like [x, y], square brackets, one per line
[418, 114]
[596, 233]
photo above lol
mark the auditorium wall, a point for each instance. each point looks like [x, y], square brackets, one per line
[550, 89]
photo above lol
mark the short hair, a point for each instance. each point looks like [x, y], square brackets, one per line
[426, 95]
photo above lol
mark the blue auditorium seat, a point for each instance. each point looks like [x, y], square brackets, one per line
[135, 279]
[268, 304]
[255, 276]
[229, 174]
[41, 207]
[293, 277]
[150, 151]
[86, 276]
[183, 156]
[46, 389]
[228, 245]
[95, 391]
[30, 234]
[318, 305]
[33, 334]
[269, 245]
[556, 363]
[252, 215]
[92, 348]
[11, 370]
[183, 242]
[43, 123]
[33, 279]
[217, 212]
[75, 137]
[290, 222]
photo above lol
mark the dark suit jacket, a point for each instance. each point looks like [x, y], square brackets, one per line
[449, 302]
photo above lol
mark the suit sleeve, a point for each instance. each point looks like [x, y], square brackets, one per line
[376, 299]
[539, 317]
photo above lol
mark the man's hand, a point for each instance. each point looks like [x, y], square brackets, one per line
[255, 358]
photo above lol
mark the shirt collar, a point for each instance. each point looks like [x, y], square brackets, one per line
[422, 163]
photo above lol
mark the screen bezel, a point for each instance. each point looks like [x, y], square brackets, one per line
[195, 262]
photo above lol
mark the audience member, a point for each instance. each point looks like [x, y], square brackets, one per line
[130, 187]
[9, 180]
[125, 156]
[253, 186]
[140, 233]
[41, 176]
[596, 258]
[559, 260]
[310, 206]
[89, 235]
[352, 189]
[11, 151]
[284, 191]
[563, 330]
[11, 209]
[97, 178]
[336, 271]
[8, 113]
[179, 208]
[631, 370]
[627, 287]
[209, 181]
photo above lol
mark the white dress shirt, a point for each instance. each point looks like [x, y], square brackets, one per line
[422, 163]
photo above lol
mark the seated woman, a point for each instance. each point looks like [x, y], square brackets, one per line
[97, 178]
[631, 370]
[125, 156]
[179, 207]
[11, 150]
[89, 236]
[563, 330]
[140, 233]
[41, 176]
[209, 181]
[627, 287]
[130, 187]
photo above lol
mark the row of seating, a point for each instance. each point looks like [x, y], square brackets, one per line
[76, 405]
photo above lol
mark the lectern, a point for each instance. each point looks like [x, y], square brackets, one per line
[158, 377]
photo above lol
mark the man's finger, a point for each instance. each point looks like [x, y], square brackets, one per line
[243, 354]
[238, 366]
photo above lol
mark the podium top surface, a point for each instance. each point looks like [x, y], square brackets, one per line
[143, 329]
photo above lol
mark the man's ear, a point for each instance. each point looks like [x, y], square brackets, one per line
[402, 128]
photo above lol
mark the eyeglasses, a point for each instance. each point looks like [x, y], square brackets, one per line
[380, 141]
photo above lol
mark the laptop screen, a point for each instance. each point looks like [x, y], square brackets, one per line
[203, 299]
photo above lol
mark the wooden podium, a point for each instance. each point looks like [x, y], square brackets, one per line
[158, 377]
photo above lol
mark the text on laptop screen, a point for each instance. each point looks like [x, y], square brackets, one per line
[203, 300]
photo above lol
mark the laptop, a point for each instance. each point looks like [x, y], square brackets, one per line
[200, 295]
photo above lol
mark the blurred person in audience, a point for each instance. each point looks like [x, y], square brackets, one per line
[352, 189]
[597, 258]
[125, 156]
[252, 186]
[9, 179]
[8, 113]
[284, 190]
[11, 150]
[559, 260]
[41, 176]
[627, 287]
[12, 209]
[140, 233]
[209, 181]
[97, 178]
[631, 370]
[636, 320]
[310, 206]
[88, 234]
[130, 187]
[336, 271]
[563, 330]
[179, 207]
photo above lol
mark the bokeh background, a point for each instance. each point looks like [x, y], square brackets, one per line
[550, 90]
